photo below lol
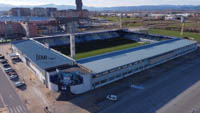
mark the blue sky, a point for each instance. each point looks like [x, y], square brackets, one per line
[104, 3]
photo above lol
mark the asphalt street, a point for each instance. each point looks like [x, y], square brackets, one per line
[8, 96]
[176, 92]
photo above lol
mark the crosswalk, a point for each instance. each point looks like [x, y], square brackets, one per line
[17, 109]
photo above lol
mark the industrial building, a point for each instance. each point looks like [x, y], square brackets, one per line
[60, 72]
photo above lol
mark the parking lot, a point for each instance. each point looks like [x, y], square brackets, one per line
[35, 95]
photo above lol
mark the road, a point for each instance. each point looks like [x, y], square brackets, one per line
[8, 96]
[176, 92]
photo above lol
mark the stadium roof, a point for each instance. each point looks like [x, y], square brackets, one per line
[31, 49]
[112, 60]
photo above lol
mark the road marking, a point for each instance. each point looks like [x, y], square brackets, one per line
[137, 87]
[10, 110]
[18, 109]
[24, 109]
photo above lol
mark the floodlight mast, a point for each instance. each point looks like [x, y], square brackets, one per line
[27, 27]
[72, 29]
[182, 25]
[121, 24]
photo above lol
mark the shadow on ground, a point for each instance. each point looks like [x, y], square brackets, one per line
[159, 95]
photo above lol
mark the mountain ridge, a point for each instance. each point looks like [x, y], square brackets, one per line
[6, 7]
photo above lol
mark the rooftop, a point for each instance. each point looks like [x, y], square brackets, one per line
[33, 50]
[113, 60]
[21, 19]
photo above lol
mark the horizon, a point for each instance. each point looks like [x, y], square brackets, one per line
[101, 3]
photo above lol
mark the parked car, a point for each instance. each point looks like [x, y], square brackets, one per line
[11, 72]
[12, 77]
[19, 84]
[16, 60]
[2, 60]
[6, 66]
[112, 97]
[2, 57]
[7, 70]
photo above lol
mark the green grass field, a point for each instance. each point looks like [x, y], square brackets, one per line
[117, 19]
[106, 50]
[98, 47]
[196, 36]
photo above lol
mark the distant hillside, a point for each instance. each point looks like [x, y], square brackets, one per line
[5, 7]
[154, 8]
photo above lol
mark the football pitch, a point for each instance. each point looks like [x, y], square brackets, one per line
[93, 48]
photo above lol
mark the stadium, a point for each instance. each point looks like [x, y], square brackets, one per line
[102, 57]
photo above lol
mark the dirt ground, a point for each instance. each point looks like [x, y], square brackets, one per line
[3, 110]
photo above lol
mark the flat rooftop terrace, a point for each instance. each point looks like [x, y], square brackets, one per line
[101, 63]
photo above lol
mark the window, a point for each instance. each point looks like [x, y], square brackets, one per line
[130, 65]
[95, 76]
[118, 75]
[103, 81]
[124, 66]
[112, 70]
[129, 72]
[125, 73]
[104, 73]
[97, 83]
[111, 78]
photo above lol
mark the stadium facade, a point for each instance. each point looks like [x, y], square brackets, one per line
[60, 72]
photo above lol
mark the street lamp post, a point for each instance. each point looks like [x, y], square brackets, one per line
[6, 30]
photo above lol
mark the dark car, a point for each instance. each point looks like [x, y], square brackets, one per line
[4, 62]
[16, 60]
[2, 57]
[11, 72]
[19, 84]
[6, 66]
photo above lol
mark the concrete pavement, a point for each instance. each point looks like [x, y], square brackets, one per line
[176, 91]
[9, 97]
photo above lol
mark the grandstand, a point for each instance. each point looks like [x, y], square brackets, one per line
[60, 72]
[86, 42]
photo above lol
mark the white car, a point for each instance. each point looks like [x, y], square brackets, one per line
[8, 69]
[13, 77]
[112, 97]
